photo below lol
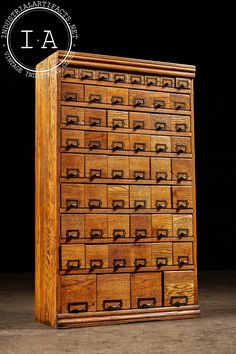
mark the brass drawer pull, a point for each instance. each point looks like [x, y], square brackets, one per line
[94, 203]
[118, 233]
[139, 175]
[117, 174]
[179, 105]
[94, 144]
[180, 149]
[103, 76]
[118, 204]
[95, 121]
[159, 104]
[95, 174]
[72, 144]
[140, 233]
[72, 173]
[70, 96]
[72, 203]
[178, 301]
[72, 234]
[98, 233]
[72, 120]
[161, 204]
[119, 263]
[69, 73]
[119, 78]
[145, 303]
[181, 127]
[138, 124]
[162, 233]
[161, 261]
[161, 147]
[117, 145]
[183, 260]
[181, 204]
[160, 126]
[73, 264]
[137, 80]
[112, 305]
[117, 100]
[182, 176]
[139, 147]
[183, 84]
[117, 123]
[86, 75]
[167, 83]
[77, 307]
[139, 204]
[95, 264]
[139, 102]
[95, 98]
[182, 233]
[161, 176]
[151, 81]
[140, 262]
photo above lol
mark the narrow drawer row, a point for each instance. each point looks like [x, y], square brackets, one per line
[122, 226]
[74, 92]
[97, 166]
[116, 197]
[78, 116]
[105, 292]
[121, 256]
[132, 79]
[137, 143]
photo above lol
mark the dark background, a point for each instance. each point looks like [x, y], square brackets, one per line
[182, 33]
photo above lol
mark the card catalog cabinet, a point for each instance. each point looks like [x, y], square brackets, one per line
[115, 191]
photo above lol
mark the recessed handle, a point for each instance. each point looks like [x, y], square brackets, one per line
[117, 145]
[151, 81]
[86, 75]
[95, 98]
[94, 203]
[178, 301]
[140, 233]
[118, 233]
[119, 78]
[119, 263]
[72, 120]
[183, 260]
[94, 144]
[139, 175]
[139, 102]
[70, 96]
[138, 124]
[117, 123]
[180, 149]
[160, 126]
[96, 233]
[72, 234]
[95, 264]
[72, 203]
[94, 174]
[77, 307]
[161, 261]
[73, 264]
[69, 73]
[72, 173]
[181, 127]
[103, 76]
[117, 100]
[161, 204]
[159, 104]
[181, 204]
[182, 176]
[145, 303]
[95, 122]
[162, 233]
[117, 174]
[139, 204]
[72, 144]
[182, 233]
[140, 262]
[179, 105]
[161, 147]
[139, 147]
[112, 305]
[161, 176]
[137, 80]
[118, 204]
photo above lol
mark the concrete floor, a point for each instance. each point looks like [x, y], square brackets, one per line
[214, 332]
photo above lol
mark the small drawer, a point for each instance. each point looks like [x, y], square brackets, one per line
[160, 122]
[118, 141]
[136, 79]
[182, 225]
[182, 253]
[72, 257]
[140, 226]
[86, 74]
[96, 226]
[72, 196]
[167, 82]
[78, 293]
[160, 169]
[113, 292]
[160, 143]
[103, 76]
[161, 197]
[96, 257]
[72, 165]
[72, 139]
[138, 98]
[95, 94]
[117, 96]
[72, 115]
[95, 196]
[139, 142]
[119, 256]
[161, 226]
[69, 73]
[146, 290]
[180, 124]
[183, 83]
[161, 254]
[72, 226]
[117, 119]
[72, 92]
[95, 140]
[180, 102]
[118, 226]
[118, 196]
[118, 167]
[182, 197]
[119, 77]
[159, 100]
[139, 168]
[178, 288]
[140, 197]
[95, 117]
[95, 166]
[139, 120]
[181, 145]
[182, 170]
[140, 255]
[151, 81]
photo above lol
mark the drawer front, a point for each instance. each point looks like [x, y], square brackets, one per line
[72, 92]
[178, 288]
[72, 116]
[160, 143]
[139, 142]
[96, 257]
[180, 102]
[118, 197]
[117, 119]
[161, 197]
[119, 257]
[95, 94]
[72, 257]
[182, 170]
[118, 226]
[72, 196]
[162, 254]
[141, 225]
[95, 166]
[140, 255]
[78, 293]
[72, 226]
[146, 290]
[180, 124]
[139, 120]
[95, 140]
[160, 169]
[118, 167]
[139, 167]
[96, 226]
[72, 139]
[182, 253]
[140, 197]
[113, 292]
[181, 145]
[95, 196]
[118, 141]
[160, 122]
[95, 117]
[161, 226]
[117, 96]
[72, 165]
[182, 225]
[182, 197]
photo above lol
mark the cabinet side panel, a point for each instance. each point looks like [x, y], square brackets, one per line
[46, 202]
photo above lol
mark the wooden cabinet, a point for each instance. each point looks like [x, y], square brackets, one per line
[115, 192]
